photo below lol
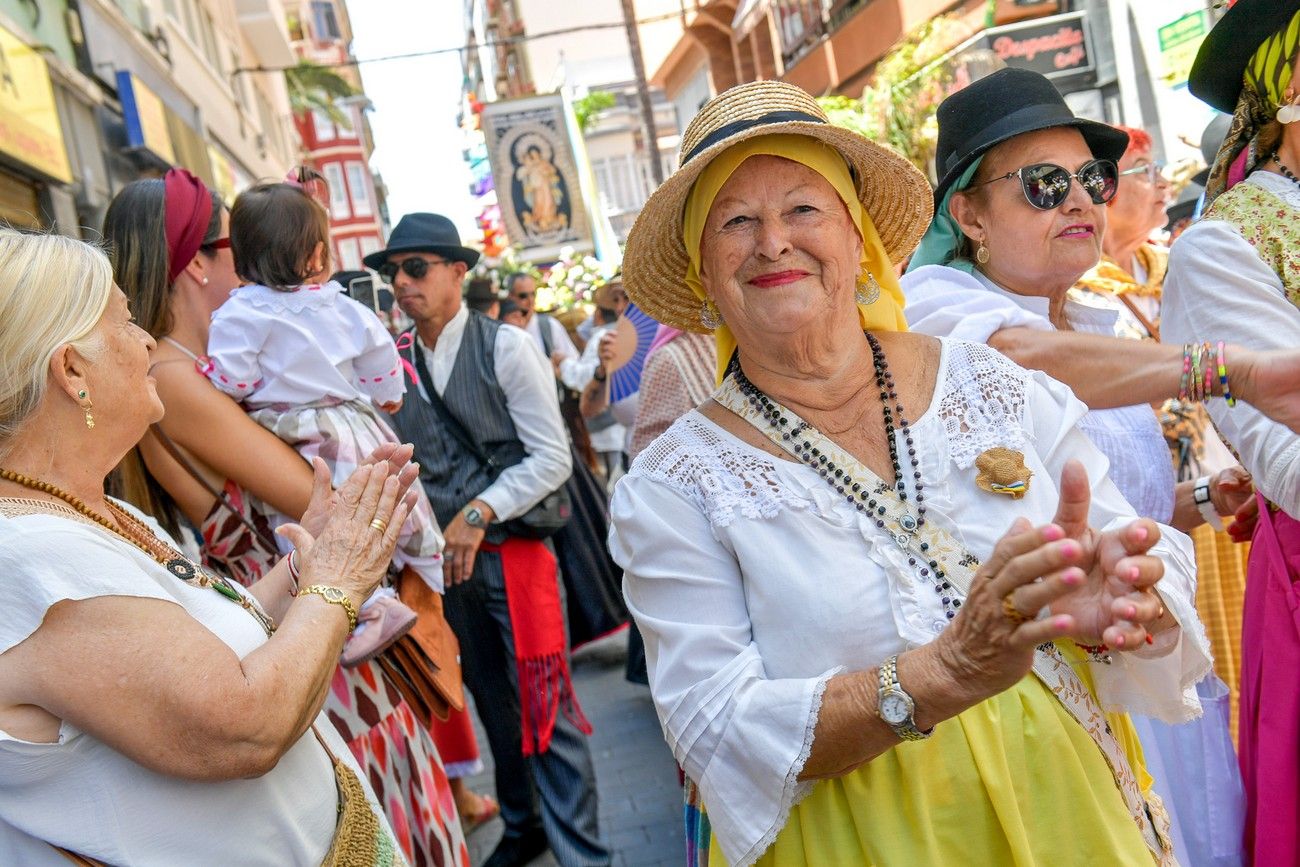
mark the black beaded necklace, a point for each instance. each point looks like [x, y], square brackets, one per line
[863, 499]
[1287, 173]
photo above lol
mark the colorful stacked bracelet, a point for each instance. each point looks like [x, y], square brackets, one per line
[1200, 364]
[1223, 376]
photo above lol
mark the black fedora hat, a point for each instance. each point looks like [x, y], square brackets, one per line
[1004, 105]
[424, 233]
[1220, 64]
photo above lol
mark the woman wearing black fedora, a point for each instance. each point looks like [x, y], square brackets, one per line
[1236, 274]
[834, 560]
[1021, 211]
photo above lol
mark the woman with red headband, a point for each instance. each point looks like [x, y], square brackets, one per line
[171, 257]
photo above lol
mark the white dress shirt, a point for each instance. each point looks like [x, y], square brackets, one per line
[573, 372]
[526, 379]
[1218, 288]
[945, 302]
[754, 582]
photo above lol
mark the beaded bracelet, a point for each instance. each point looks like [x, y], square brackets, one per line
[1223, 376]
[1096, 652]
[1183, 395]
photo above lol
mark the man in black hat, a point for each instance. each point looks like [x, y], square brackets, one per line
[491, 445]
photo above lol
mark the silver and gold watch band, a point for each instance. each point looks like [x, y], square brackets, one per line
[896, 706]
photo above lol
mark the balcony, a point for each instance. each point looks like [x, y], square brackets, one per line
[263, 24]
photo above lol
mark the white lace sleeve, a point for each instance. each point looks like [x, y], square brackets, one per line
[742, 735]
[982, 403]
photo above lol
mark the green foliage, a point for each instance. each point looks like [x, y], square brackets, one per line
[313, 87]
[585, 108]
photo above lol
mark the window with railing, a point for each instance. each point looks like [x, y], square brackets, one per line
[801, 24]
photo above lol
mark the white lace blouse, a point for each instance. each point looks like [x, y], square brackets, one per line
[754, 583]
[945, 302]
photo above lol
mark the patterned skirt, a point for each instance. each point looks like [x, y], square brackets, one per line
[396, 753]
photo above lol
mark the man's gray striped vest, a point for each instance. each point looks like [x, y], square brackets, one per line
[451, 475]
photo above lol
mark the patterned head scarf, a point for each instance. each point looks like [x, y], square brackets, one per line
[885, 313]
[1255, 132]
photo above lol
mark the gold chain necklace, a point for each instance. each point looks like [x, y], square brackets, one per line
[143, 538]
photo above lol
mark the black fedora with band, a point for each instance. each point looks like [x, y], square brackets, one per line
[424, 233]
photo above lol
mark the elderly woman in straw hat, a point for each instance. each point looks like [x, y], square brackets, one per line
[1236, 274]
[876, 572]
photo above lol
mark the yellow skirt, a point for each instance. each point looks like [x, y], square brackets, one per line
[1014, 780]
[1220, 597]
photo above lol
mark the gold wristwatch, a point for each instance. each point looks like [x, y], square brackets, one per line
[334, 596]
[895, 706]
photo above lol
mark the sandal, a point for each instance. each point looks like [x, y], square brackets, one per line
[489, 810]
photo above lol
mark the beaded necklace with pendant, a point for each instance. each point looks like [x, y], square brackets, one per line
[862, 498]
[1290, 175]
[143, 538]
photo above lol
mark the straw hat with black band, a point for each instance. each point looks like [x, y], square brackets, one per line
[892, 192]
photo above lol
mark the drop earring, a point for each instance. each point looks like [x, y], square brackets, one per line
[90, 418]
[710, 316]
[868, 291]
[982, 254]
[1288, 111]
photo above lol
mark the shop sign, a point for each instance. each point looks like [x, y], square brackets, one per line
[146, 118]
[1055, 46]
[30, 131]
[1179, 42]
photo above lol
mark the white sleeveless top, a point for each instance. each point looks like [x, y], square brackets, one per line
[85, 796]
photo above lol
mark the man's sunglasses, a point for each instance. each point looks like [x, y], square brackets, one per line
[1046, 186]
[414, 267]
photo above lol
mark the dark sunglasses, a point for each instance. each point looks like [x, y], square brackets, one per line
[522, 295]
[1046, 186]
[414, 267]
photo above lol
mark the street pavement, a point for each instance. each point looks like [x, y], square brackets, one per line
[636, 777]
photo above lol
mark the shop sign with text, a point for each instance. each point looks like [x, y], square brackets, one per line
[1054, 46]
[30, 132]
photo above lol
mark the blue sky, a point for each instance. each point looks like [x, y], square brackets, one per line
[417, 143]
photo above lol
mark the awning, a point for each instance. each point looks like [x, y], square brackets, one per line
[749, 14]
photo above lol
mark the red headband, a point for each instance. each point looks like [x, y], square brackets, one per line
[187, 209]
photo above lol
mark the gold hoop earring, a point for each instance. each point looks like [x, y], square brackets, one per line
[982, 254]
[868, 291]
[710, 315]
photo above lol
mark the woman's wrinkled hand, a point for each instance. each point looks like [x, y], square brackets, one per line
[1231, 489]
[351, 552]
[984, 645]
[323, 495]
[1115, 602]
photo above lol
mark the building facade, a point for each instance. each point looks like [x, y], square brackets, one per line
[98, 93]
[322, 34]
[1119, 61]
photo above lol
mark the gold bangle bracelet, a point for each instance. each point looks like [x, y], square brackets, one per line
[334, 596]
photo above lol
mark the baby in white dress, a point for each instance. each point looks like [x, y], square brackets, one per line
[310, 364]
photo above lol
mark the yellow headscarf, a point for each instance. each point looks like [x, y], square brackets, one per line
[1255, 134]
[883, 314]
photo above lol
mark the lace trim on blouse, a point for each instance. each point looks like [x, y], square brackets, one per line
[980, 404]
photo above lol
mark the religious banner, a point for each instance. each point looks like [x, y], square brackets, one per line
[536, 175]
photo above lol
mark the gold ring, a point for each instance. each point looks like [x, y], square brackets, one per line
[1014, 614]
[379, 524]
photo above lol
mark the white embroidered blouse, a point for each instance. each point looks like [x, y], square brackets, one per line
[945, 302]
[312, 345]
[754, 583]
